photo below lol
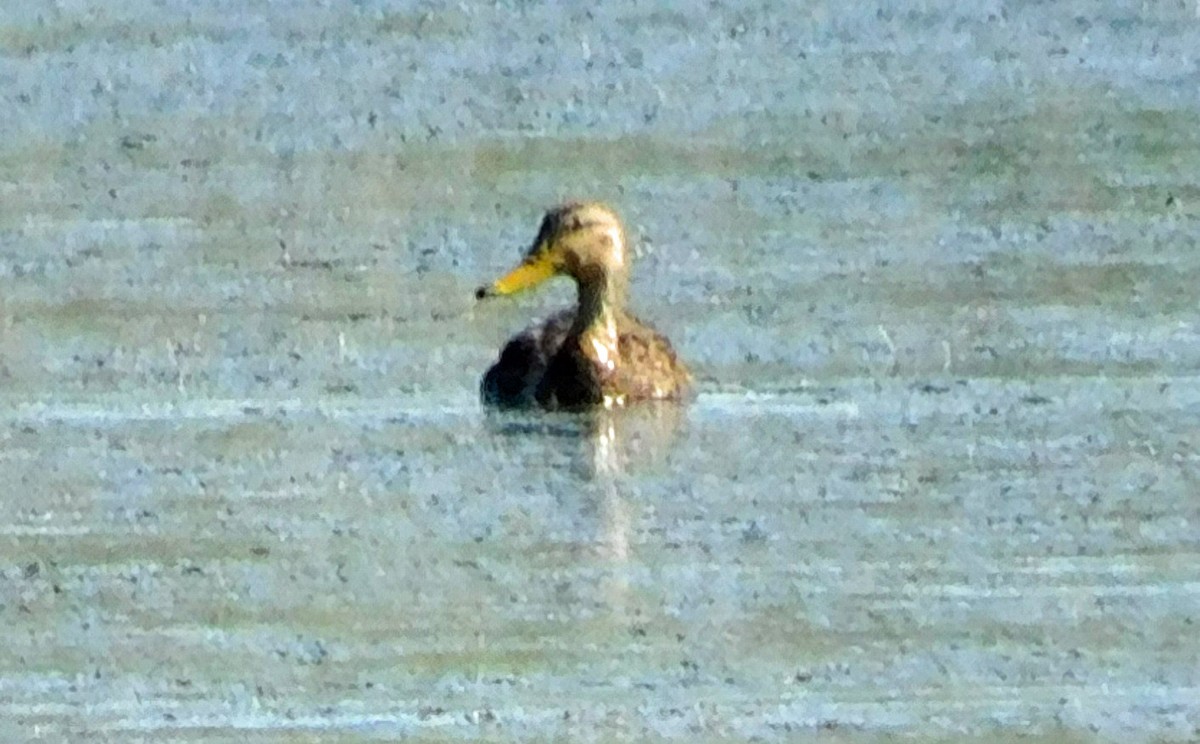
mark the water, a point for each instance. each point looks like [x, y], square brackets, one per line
[934, 268]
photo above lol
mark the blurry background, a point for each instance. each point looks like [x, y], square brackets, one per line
[934, 265]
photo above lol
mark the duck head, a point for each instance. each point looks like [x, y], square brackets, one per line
[582, 240]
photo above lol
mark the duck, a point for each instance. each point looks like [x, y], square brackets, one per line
[596, 354]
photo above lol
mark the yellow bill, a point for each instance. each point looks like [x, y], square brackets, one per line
[532, 271]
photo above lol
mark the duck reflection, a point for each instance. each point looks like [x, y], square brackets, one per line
[601, 443]
[605, 455]
[605, 450]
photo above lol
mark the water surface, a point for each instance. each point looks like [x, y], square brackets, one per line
[934, 267]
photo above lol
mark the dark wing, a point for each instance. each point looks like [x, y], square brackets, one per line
[512, 380]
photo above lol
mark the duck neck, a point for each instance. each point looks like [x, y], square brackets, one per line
[595, 324]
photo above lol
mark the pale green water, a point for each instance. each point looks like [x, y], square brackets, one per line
[934, 267]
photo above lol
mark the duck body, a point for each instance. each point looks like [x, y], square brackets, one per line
[546, 366]
[596, 354]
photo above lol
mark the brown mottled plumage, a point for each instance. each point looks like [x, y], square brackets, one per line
[596, 354]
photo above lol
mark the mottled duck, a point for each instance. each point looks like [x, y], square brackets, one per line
[597, 353]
